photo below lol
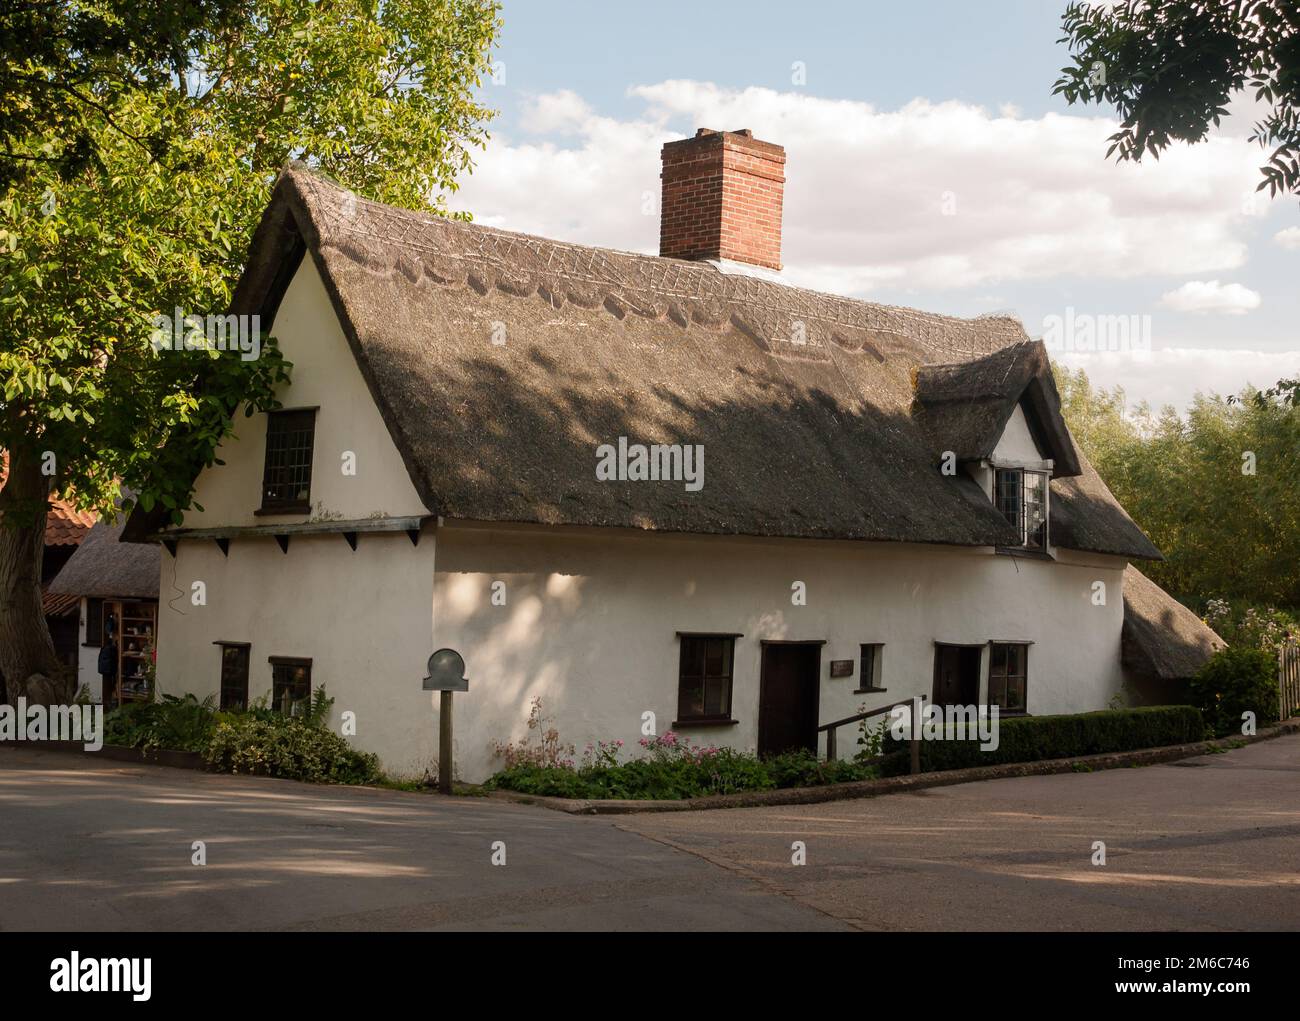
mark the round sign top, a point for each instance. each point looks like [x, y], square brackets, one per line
[447, 663]
[446, 672]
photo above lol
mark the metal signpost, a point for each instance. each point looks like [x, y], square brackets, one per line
[446, 674]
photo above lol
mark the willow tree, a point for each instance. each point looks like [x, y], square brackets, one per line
[133, 172]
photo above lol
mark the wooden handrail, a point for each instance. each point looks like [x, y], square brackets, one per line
[915, 742]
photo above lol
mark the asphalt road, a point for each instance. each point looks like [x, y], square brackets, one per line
[91, 846]
[1213, 843]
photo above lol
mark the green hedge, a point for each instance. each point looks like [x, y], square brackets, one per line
[677, 775]
[1035, 738]
[1234, 681]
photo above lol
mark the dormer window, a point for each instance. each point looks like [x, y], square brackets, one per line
[1021, 496]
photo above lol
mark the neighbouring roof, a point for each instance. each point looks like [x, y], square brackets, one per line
[64, 524]
[1161, 637]
[803, 402]
[57, 605]
[105, 568]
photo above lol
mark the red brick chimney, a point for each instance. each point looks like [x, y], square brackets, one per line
[722, 198]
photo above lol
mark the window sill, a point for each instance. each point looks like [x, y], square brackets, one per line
[713, 722]
[297, 508]
[869, 691]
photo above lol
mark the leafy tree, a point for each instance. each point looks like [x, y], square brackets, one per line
[143, 201]
[1170, 67]
[61, 61]
[1217, 489]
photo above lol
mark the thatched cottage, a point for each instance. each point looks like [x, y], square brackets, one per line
[113, 585]
[638, 485]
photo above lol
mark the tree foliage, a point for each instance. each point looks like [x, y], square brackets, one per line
[138, 145]
[1217, 489]
[1170, 67]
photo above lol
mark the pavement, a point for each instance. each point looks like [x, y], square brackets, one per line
[1208, 843]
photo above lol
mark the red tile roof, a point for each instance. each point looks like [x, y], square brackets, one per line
[64, 525]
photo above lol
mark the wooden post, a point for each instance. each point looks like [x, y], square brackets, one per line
[444, 743]
[915, 742]
[830, 745]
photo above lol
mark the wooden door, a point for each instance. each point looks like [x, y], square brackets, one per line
[789, 694]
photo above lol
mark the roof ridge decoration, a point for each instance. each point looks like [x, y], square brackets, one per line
[453, 252]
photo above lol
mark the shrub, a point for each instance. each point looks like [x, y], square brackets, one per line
[254, 741]
[672, 768]
[179, 723]
[1233, 681]
[287, 747]
[1035, 738]
[804, 769]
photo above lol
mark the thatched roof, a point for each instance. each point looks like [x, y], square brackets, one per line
[965, 407]
[1161, 637]
[802, 401]
[105, 568]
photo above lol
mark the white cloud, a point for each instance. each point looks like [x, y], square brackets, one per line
[1288, 238]
[1203, 296]
[1173, 376]
[865, 199]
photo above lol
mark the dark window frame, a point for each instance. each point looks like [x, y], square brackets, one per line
[1011, 495]
[1000, 676]
[288, 461]
[94, 623]
[870, 677]
[289, 663]
[693, 670]
[225, 704]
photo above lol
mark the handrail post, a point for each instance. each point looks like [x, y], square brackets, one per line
[830, 745]
[915, 741]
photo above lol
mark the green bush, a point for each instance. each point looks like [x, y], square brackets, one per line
[287, 747]
[804, 769]
[672, 770]
[178, 723]
[1235, 680]
[256, 740]
[1035, 738]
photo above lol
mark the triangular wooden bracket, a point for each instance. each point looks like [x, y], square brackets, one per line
[414, 535]
[171, 547]
[283, 541]
[224, 546]
[351, 538]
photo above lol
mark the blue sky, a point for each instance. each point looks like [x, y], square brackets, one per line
[902, 106]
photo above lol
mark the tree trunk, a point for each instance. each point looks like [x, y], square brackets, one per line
[26, 648]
